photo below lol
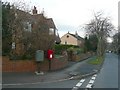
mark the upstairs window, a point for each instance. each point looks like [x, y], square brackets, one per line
[13, 45]
[51, 31]
[27, 26]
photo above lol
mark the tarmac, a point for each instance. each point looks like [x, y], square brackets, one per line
[73, 70]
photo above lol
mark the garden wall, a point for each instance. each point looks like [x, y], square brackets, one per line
[82, 56]
[31, 65]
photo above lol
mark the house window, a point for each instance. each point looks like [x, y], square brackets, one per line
[27, 26]
[13, 45]
[65, 43]
[51, 31]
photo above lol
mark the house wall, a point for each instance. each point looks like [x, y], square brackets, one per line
[70, 40]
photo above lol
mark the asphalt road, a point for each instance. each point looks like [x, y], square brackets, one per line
[106, 78]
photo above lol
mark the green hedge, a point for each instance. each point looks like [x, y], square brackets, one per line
[59, 48]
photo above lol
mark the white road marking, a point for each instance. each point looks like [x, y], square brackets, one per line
[80, 82]
[90, 84]
[74, 88]
[95, 75]
[91, 81]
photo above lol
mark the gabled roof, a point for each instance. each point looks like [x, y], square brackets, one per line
[76, 36]
[36, 18]
[50, 22]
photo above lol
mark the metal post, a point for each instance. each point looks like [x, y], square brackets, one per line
[49, 65]
[38, 67]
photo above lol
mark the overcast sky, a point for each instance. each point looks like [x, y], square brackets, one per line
[72, 15]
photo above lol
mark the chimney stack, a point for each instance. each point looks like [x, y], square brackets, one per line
[34, 11]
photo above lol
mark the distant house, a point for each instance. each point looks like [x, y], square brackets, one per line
[72, 39]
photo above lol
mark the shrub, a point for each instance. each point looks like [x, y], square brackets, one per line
[75, 50]
[60, 48]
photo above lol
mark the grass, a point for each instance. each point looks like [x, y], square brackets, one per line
[96, 61]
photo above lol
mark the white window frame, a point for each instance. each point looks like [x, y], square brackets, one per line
[13, 45]
[51, 31]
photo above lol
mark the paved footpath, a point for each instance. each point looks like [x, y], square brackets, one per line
[73, 69]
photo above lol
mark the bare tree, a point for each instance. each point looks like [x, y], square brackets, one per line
[41, 37]
[18, 26]
[101, 26]
[14, 26]
[28, 32]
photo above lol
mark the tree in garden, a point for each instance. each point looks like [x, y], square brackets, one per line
[101, 27]
[6, 32]
[26, 32]
[86, 45]
[13, 27]
[42, 37]
[115, 45]
[91, 43]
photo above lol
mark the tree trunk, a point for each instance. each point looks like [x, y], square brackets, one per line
[100, 47]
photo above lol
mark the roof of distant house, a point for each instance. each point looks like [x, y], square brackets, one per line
[76, 36]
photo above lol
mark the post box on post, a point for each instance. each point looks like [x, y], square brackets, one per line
[50, 57]
[39, 58]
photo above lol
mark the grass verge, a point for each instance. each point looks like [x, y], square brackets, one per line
[96, 61]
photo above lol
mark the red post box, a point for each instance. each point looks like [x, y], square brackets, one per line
[50, 54]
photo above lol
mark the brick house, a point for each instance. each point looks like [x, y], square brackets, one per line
[30, 23]
[72, 39]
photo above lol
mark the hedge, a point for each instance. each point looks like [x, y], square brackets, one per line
[59, 48]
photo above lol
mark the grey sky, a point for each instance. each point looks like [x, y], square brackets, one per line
[72, 15]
